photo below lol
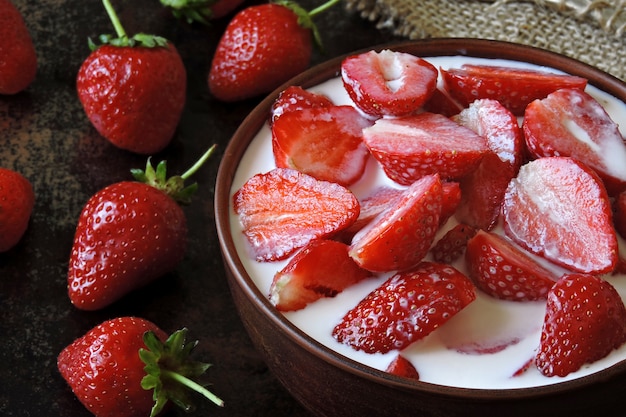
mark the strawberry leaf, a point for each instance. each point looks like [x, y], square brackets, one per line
[191, 10]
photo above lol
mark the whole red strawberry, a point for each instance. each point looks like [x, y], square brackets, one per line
[585, 320]
[18, 58]
[262, 47]
[133, 89]
[128, 367]
[128, 234]
[16, 205]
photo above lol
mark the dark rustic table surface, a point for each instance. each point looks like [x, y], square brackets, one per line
[45, 135]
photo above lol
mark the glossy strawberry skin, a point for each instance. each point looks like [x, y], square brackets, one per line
[570, 122]
[558, 208]
[451, 246]
[388, 83]
[262, 47]
[483, 189]
[128, 234]
[320, 269]
[410, 147]
[400, 236]
[296, 98]
[585, 320]
[401, 366]
[17, 200]
[283, 210]
[104, 370]
[134, 96]
[505, 272]
[619, 214]
[18, 58]
[405, 308]
[515, 88]
[324, 142]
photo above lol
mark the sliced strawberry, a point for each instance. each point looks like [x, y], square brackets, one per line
[296, 98]
[410, 147]
[483, 189]
[283, 210]
[450, 200]
[440, 102]
[619, 214]
[401, 235]
[452, 244]
[585, 320]
[388, 83]
[503, 271]
[401, 366]
[320, 269]
[558, 208]
[325, 142]
[407, 307]
[513, 87]
[572, 123]
[375, 203]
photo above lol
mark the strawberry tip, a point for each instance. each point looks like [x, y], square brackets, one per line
[168, 366]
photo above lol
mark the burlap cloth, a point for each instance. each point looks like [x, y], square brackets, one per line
[591, 31]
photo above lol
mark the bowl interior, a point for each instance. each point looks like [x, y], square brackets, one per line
[256, 120]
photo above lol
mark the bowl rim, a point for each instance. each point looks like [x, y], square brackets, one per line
[329, 69]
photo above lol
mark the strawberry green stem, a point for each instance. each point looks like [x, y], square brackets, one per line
[323, 7]
[119, 29]
[193, 385]
[199, 163]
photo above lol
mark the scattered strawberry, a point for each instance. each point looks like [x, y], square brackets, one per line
[400, 236]
[619, 214]
[483, 189]
[128, 234]
[262, 47]
[503, 271]
[320, 269]
[201, 11]
[17, 200]
[388, 83]
[401, 366]
[558, 208]
[513, 87]
[133, 89]
[585, 320]
[283, 210]
[570, 122]
[407, 307]
[451, 198]
[296, 98]
[18, 58]
[452, 244]
[371, 206]
[324, 142]
[128, 367]
[410, 147]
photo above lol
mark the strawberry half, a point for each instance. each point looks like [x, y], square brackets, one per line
[388, 83]
[320, 269]
[400, 236]
[283, 210]
[296, 98]
[375, 203]
[483, 189]
[570, 122]
[405, 308]
[503, 271]
[513, 87]
[410, 147]
[558, 208]
[401, 366]
[585, 320]
[324, 142]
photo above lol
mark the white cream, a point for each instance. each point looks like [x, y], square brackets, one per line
[508, 329]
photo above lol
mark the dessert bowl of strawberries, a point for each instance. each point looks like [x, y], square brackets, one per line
[434, 228]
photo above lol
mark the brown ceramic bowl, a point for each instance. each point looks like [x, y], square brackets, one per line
[329, 384]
